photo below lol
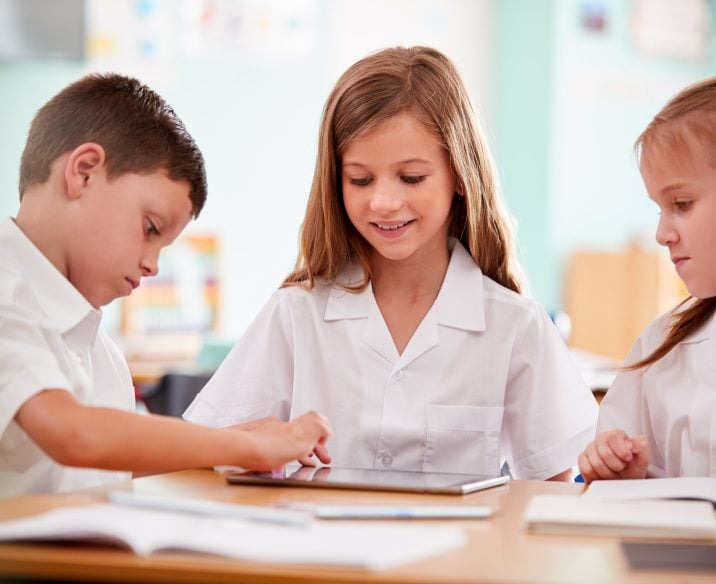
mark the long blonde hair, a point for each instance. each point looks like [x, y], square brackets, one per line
[683, 115]
[423, 81]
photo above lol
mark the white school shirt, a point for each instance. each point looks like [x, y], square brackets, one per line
[672, 402]
[50, 340]
[485, 377]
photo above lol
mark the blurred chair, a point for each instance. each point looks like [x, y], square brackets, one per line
[173, 393]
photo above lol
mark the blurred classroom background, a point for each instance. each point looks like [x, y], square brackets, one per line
[563, 88]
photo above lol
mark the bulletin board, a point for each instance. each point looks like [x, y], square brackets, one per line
[183, 297]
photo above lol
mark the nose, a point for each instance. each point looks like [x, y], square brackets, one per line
[150, 263]
[666, 234]
[383, 201]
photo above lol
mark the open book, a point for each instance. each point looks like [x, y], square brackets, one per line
[145, 531]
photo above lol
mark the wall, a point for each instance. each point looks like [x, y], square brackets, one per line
[255, 114]
[569, 102]
[561, 104]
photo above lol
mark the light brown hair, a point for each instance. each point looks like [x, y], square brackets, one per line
[424, 82]
[688, 118]
[138, 130]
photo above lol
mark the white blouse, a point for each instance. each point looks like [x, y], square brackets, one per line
[485, 378]
[672, 402]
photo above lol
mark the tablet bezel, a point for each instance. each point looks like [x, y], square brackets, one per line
[462, 485]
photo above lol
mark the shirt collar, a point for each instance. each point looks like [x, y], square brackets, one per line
[460, 302]
[62, 304]
[707, 331]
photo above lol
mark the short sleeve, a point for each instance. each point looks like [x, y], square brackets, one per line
[28, 364]
[256, 378]
[550, 413]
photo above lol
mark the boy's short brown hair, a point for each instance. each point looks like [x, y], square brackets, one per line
[138, 130]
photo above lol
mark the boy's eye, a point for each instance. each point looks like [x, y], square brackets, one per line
[360, 182]
[682, 205]
[412, 180]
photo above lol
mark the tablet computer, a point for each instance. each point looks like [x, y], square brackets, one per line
[368, 479]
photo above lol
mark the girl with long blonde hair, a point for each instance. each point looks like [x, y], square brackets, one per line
[403, 320]
[659, 417]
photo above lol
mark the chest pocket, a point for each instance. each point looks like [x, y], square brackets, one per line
[463, 439]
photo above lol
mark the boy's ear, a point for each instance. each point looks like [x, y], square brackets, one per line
[85, 161]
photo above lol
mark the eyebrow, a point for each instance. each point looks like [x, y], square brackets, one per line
[675, 187]
[400, 162]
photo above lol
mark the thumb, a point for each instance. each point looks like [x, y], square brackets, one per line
[642, 456]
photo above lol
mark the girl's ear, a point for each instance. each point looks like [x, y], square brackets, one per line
[85, 162]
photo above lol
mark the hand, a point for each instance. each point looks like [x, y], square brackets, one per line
[321, 453]
[276, 443]
[615, 455]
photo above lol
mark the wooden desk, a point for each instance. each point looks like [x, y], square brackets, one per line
[498, 551]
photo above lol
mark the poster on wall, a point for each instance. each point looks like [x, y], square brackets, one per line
[135, 38]
[253, 30]
[669, 29]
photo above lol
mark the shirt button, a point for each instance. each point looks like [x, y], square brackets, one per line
[399, 376]
[80, 360]
[385, 459]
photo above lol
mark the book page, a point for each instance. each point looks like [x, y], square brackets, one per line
[372, 546]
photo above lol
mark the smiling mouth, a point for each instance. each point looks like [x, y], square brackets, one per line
[393, 226]
[134, 283]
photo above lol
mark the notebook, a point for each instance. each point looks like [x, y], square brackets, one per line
[698, 488]
[634, 518]
[369, 479]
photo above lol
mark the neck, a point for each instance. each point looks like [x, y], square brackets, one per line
[415, 277]
[43, 225]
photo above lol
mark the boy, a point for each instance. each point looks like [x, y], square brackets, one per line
[108, 177]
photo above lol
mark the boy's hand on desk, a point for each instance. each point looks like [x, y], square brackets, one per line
[615, 455]
[280, 442]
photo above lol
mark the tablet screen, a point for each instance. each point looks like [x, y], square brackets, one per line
[368, 479]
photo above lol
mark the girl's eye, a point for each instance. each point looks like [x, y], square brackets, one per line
[151, 228]
[360, 182]
[682, 205]
[412, 180]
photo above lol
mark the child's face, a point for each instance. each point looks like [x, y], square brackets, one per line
[398, 188]
[685, 191]
[122, 226]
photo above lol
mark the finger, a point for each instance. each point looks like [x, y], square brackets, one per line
[609, 458]
[620, 444]
[642, 457]
[585, 469]
[322, 453]
[641, 445]
[601, 470]
[307, 460]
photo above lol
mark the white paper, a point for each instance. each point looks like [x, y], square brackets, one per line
[577, 514]
[374, 547]
[669, 488]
